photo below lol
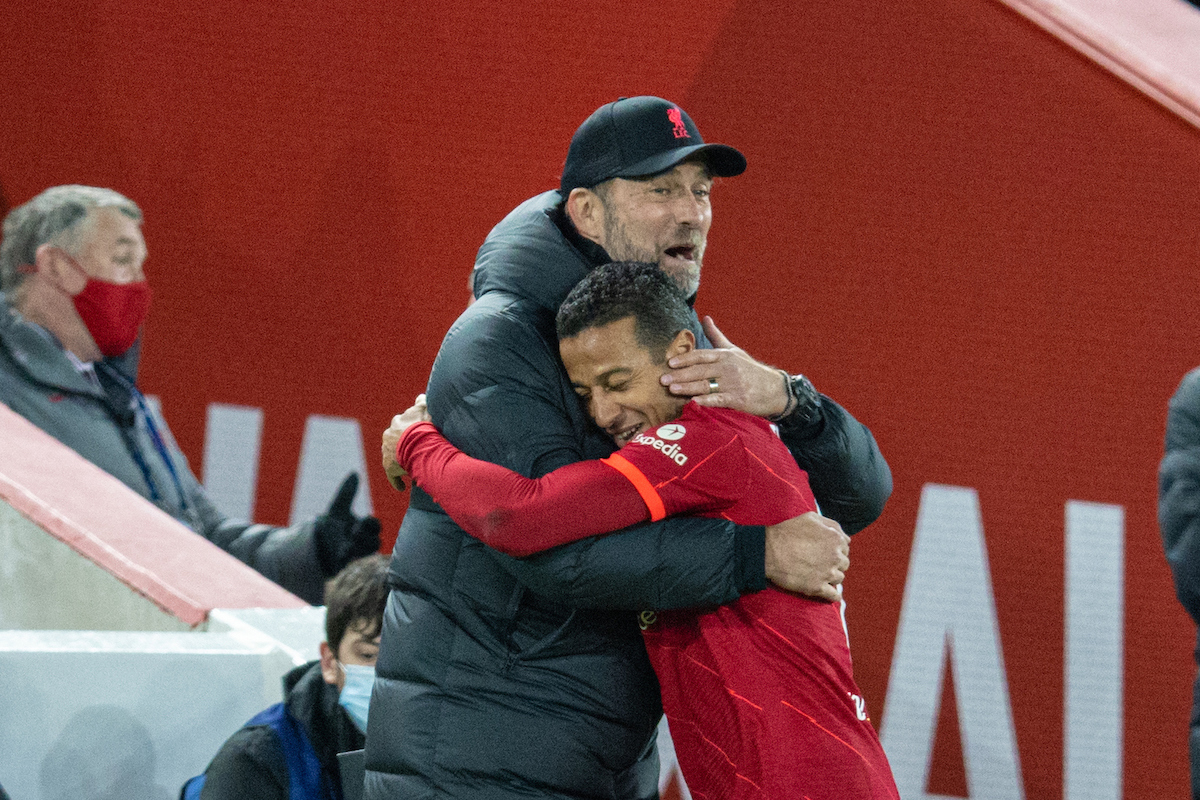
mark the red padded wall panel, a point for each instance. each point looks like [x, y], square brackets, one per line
[968, 233]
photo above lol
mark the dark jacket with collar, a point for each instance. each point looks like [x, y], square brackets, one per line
[1179, 522]
[251, 763]
[501, 677]
[110, 428]
[1179, 492]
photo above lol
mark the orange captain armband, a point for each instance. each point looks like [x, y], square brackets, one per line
[634, 475]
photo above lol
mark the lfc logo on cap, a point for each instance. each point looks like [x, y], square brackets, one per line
[676, 117]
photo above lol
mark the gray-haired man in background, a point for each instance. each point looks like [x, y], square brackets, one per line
[73, 298]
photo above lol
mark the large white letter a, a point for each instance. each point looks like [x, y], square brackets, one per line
[948, 607]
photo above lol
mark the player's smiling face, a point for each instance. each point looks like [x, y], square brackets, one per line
[618, 379]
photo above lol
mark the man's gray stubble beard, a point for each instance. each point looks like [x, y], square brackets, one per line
[621, 248]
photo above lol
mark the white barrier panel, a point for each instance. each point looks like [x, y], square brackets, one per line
[130, 647]
[46, 584]
[104, 714]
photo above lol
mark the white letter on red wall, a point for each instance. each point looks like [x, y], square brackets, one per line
[331, 450]
[949, 608]
[232, 439]
[1094, 660]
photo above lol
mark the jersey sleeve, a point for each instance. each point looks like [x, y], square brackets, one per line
[686, 467]
[516, 515]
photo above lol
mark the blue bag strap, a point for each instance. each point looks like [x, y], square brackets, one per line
[191, 789]
[306, 780]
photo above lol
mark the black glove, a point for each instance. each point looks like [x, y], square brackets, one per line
[341, 536]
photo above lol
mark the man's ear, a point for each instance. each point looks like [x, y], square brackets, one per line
[50, 263]
[46, 261]
[329, 668]
[586, 213]
[684, 342]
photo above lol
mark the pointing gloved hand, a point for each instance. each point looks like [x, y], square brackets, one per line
[341, 536]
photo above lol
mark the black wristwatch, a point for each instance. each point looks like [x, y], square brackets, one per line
[804, 406]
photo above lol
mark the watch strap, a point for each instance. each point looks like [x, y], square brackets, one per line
[807, 410]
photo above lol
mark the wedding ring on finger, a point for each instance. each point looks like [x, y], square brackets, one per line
[713, 386]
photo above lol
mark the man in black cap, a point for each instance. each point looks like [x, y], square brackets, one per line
[502, 677]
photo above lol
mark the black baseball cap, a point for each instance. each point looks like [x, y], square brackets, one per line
[633, 137]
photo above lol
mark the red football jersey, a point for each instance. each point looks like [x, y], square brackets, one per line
[759, 694]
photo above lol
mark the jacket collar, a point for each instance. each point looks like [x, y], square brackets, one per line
[35, 351]
[535, 253]
[314, 704]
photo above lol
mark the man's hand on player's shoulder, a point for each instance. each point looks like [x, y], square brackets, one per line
[727, 377]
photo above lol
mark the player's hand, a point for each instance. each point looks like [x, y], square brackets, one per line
[808, 554]
[741, 382]
[418, 412]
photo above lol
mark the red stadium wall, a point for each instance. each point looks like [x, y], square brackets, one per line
[964, 230]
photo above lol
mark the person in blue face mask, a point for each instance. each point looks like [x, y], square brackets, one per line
[289, 751]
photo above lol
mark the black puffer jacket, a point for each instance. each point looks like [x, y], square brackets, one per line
[1179, 523]
[514, 678]
[1179, 492]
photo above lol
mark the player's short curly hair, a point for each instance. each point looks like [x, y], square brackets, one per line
[623, 289]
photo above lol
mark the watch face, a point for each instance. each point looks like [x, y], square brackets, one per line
[808, 407]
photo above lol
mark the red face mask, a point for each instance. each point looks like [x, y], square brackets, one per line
[112, 312]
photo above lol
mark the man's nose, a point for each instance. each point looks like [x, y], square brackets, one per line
[688, 209]
[604, 410]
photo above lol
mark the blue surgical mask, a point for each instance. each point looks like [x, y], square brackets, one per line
[356, 692]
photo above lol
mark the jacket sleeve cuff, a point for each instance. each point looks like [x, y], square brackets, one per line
[750, 558]
[795, 429]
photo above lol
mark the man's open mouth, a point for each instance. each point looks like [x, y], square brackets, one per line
[683, 252]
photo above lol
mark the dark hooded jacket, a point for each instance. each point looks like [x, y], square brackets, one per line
[502, 677]
[251, 763]
[1179, 521]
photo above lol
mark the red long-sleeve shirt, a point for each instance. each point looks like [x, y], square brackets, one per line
[759, 694]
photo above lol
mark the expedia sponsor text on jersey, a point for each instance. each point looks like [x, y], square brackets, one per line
[670, 450]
